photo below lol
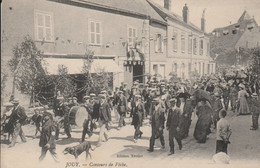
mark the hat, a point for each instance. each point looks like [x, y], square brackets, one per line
[15, 101]
[120, 91]
[69, 98]
[103, 91]
[86, 97]
[183, 95]
[45, 113]
[138, 96]
[125, 83]
[254, 95]
[74, 98]
[146, 85]
[60, 98]
[92, 95]
[102, 96]
[242, 86]
[172, 100]
[8, 104]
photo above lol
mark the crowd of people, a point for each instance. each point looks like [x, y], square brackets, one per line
[166, 104]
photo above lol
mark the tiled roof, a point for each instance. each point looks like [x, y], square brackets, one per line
[133, 6]
[166, 13]
[227, 41]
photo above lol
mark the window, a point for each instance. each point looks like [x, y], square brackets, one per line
[174, 67]
[43, 26]
[155, 69]
[225, 32]
[208, 69]
[162, 70]
[199, 68]
[195, 66]
[194, 46]
[190, 45]
[131, 35]
[182, 70]
[95, 33]
[208, 49]
[183, 42]
[203, 68]
[175, 41]
[234, 31]
[159, 43]
[201, 47]
[189, 67]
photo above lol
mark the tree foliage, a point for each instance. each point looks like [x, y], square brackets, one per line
[26, 67]
[254, 65]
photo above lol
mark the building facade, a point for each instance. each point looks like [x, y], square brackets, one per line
[118, 33]
[243, 34]
[187, 46]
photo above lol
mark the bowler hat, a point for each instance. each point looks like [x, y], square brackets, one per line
[15, 101]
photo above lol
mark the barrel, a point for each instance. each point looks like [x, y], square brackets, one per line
[78, 115]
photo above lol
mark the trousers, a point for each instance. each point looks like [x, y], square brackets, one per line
[153, 137]
[52, 151]
[17, 131]
[255, 117]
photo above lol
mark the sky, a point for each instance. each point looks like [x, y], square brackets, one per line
[219, 13]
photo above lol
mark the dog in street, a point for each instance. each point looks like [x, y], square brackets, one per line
[78, 149]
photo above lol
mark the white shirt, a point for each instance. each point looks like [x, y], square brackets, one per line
[223, 127]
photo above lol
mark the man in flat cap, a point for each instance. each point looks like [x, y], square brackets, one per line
[138, 116]
[104, 119]
[17, 119]
[62, 114]
[157, 122]
[87, 122]
[254, 106]
[47, 139]
[173, 124]
[122, 108]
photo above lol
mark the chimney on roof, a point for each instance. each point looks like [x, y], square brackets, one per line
[185, 13]
[167, 4]
[203, 21]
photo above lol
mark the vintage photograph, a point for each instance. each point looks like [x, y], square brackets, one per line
[130, 83]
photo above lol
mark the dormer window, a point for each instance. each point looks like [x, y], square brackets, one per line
[234, 31]
[225, 32]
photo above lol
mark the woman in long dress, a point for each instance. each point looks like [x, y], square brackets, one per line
[242, 98]
[202, 128]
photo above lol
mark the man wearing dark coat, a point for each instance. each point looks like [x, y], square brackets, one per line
[47, 139]
[138, 116]
[62, 114]
[122, 108]
[157, 121]
[254, 106]
[17, 119]
[104, 118]
[173, 125]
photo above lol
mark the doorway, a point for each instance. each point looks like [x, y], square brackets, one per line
[138, 73]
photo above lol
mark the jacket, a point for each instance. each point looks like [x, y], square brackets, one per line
[104, 112]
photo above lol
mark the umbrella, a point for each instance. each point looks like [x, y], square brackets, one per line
[230, 74]
[241, 75]
[201, 94]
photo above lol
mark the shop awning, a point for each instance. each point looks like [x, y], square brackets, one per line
[75, 65]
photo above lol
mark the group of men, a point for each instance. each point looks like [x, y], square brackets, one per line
[158, 101]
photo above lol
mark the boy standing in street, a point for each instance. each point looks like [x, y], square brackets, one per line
[223, 132]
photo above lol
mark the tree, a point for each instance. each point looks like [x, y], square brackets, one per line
[64, 83]
[254, 64]
[95, 82]
[29, 76]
